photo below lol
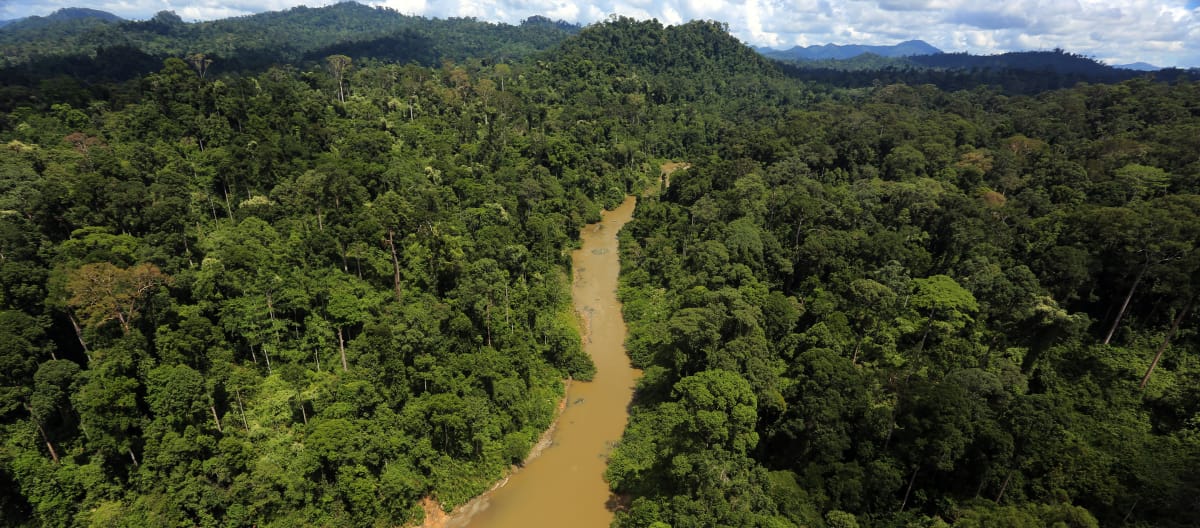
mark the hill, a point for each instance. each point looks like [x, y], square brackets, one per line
[290, 36]
[79, 13]
[1026, 72]
[61, 32]
[1056, 61]
[843, 52]
[65, 14]
[1138, 66]
[69, 20]
[690, 49]
[79, 52]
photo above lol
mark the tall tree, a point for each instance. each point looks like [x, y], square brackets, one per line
[103, 292]
[338, 66]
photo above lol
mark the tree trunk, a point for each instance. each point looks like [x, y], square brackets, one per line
[303, 411]
[1003, 487]
[50, 446]
[488, 321]
[342, 349]
[133, 458]
[508, 311]
[395, 263]
[1124, 305]
[188, 251]
[216, 419]
[924, 336]
[242, 409]
[79, 335]
[228, 206]
[904, 503]
[270, 306]
[1166, 342]
[1130, 512]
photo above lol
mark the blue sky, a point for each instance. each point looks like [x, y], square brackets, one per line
[1161, 32]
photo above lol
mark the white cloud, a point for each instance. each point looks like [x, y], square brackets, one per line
[1163, 32]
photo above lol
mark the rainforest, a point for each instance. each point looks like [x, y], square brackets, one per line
[313, 268]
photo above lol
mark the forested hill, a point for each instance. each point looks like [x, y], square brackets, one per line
[62, 15]
[697, 48]
[642, 62]
[1024, 72]
[313, 296]
[96, 49]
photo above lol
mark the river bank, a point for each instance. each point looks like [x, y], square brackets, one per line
[436, 516]
[563, 477]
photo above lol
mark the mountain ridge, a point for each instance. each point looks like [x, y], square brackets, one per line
[37, 47]
[65, 14]
[907, 48]
[1138, 66]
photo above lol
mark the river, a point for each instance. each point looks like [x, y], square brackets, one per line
[564, 486]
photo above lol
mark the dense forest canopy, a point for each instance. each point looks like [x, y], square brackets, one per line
[77, 60]
[313, 290]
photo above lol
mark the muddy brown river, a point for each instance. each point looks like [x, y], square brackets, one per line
[564, 486]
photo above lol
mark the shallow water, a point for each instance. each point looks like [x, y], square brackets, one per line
[564, 486]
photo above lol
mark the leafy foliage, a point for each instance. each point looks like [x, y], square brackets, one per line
[339, 290]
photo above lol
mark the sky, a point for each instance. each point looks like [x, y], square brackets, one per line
[1160, 32]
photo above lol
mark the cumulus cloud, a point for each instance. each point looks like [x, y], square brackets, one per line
[1163, 32]
[987, 19]
[143, 9]
[906, 5]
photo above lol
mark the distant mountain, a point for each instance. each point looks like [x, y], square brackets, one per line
[92, 48]
[843, 52]
[1137, 66]
[1057, 61]
[66, 14]
[1026, 72]
[291, 36]
[76, 13]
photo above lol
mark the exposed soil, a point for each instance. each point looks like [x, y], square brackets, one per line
[670, 167]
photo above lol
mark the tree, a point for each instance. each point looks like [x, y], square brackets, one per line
[49, 405]
[1166, 341]
[106, 398]
[720, 410]
[1153, 236]
[947, 305]
[396, 216]
[338, 66]
[200, 62]
[20, 343]
[349, 303]
[103, 292]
